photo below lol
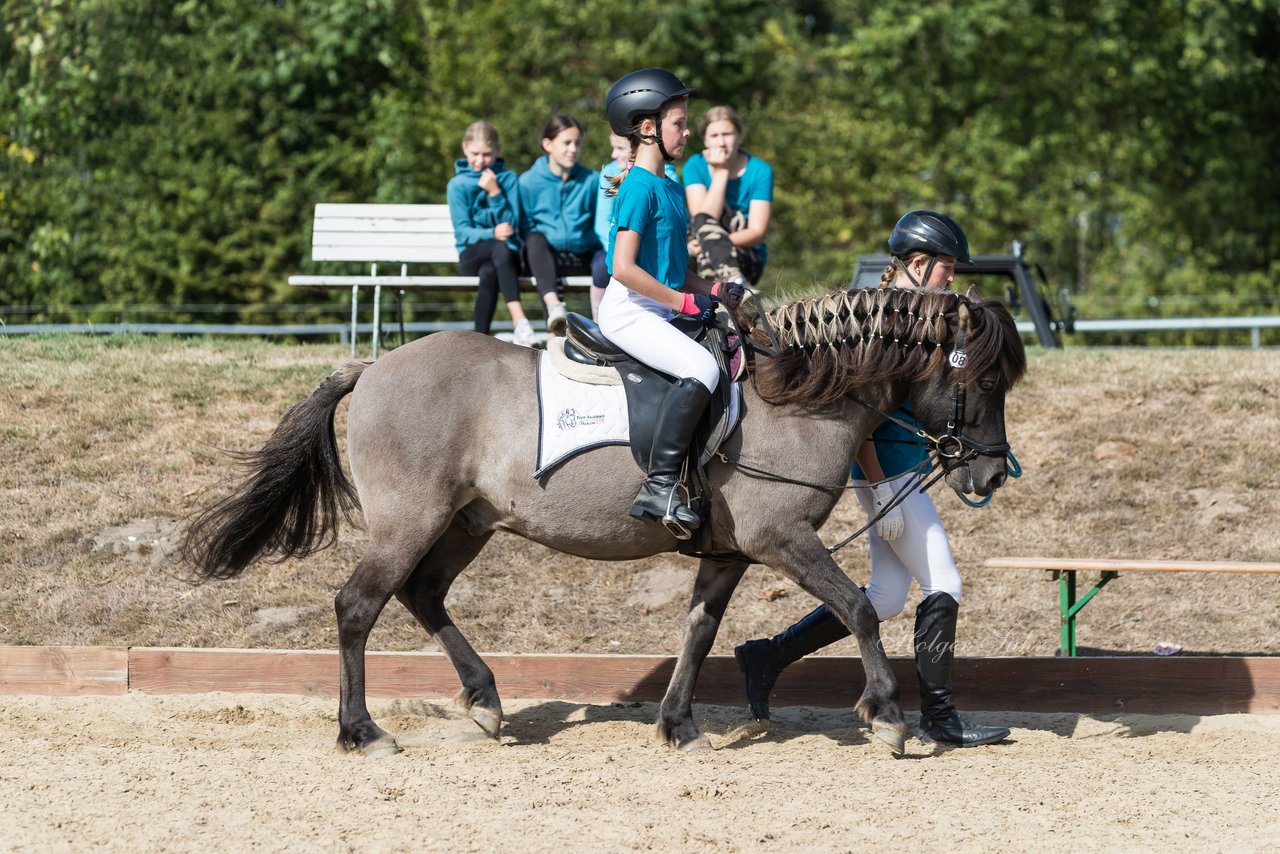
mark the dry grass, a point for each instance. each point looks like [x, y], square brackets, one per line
[109, 444]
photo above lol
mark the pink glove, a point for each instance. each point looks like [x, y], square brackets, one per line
[703, 305]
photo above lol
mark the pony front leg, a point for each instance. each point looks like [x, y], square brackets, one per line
[805, 561]
[712, 590]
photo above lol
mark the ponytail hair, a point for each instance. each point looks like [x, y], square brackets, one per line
[615, 181]
[898, 266]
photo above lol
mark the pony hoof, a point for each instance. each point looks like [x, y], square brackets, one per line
[487, 720]
[894, 735]
[382, 747]
[694, 745]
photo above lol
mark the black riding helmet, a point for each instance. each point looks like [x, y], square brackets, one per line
[927, 231]
[639, 94]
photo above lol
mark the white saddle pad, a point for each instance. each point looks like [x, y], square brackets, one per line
[574, 417]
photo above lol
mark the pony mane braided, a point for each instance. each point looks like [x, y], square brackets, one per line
[833, 343]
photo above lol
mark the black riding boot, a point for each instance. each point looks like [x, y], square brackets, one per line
[935, 650]
[659, 496]
[762, 660]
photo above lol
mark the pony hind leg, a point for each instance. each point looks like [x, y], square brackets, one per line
[712, 590]
[423, 596]
[383, 569]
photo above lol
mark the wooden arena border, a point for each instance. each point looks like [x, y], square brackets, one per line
[1182, 684]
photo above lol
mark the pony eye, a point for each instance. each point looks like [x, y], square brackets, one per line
[987, 385]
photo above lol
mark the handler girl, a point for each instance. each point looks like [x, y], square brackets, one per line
[648, 260]
[908, 542]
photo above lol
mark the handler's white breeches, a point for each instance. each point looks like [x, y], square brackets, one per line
[922, 552]
[640, 326]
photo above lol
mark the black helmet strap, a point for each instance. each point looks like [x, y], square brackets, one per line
[927, 270]
[657, 137]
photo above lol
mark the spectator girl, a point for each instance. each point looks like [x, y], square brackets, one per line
[484, 204]
[558, 206]
[730, 196]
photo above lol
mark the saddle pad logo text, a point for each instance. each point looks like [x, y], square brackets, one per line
[571, 419]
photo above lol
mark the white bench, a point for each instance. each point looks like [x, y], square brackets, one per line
[395, 234]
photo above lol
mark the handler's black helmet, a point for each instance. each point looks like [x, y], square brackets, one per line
[928, 231]
[641, 93]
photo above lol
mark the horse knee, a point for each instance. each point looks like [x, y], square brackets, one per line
[863, 614]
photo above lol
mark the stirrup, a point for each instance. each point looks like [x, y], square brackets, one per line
[670, 520]
[676, 527]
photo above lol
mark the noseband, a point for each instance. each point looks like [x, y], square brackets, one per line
[953, 447]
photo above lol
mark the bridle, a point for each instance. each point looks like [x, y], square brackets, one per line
[952, 449]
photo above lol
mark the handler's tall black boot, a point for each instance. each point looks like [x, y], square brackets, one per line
[762, 660]
[659, 496]
[935, 651]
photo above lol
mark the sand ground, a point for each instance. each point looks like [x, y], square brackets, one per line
[238, 772]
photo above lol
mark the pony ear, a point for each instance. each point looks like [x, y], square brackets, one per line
[962, 315]
[972, 293]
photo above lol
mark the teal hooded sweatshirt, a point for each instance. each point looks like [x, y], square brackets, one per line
[563, 211]
[474, 212]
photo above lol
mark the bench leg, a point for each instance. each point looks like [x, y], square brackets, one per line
[355, 291]
[377, 318]
[1069, 606]
[1066, 611]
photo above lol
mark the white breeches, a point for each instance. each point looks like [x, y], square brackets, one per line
[640, 326]
[922, 553]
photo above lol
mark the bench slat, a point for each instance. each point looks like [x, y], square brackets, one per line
[375, 240]
[410, 281]
[1115, 565]
[382, 225]
[386, 254]
[364, 211]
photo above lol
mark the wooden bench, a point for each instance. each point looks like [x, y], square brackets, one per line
[388, 234]
[1064, 570]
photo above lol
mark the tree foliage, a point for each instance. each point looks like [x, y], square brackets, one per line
[171, 152]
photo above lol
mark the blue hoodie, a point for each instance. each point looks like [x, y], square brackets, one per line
[474, 212]
[563, 211]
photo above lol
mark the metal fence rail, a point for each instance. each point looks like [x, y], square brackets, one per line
[1171, 324]
[342, 330]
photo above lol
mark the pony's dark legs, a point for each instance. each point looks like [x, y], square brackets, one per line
[423, 595]
[803, 559]
[390, 559]
[712, 590]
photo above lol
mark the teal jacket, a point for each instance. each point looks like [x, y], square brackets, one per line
[563, 211]
[474, 212]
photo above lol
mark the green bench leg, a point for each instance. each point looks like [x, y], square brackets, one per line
[1069, 606]
[1066, 603]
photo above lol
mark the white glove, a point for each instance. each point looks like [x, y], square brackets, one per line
[891, 524]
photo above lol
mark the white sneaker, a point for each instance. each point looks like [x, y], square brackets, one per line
[557, 323]
[524, 335]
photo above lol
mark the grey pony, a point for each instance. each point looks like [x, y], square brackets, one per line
[441, 438]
